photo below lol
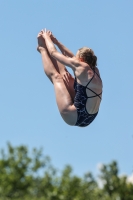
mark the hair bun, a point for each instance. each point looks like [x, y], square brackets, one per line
[89, 57]
[94, 61]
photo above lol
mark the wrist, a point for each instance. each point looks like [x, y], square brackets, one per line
[45, 35]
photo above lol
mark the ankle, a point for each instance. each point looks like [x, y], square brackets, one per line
[41, 49]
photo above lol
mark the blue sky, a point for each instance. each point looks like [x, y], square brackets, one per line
[28, 111]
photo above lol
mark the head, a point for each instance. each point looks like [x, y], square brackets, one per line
[87, 55]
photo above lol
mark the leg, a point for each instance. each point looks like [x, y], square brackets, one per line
[48, 63]
[64, 101]
[67, 77]
[63, 86]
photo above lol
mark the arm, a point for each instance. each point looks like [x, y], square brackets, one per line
[65, 51]
[71, 62]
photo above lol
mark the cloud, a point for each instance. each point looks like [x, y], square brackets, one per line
[100, 182]
[130, 179]
[100, 166]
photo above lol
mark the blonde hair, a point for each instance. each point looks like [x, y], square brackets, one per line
[88, 56]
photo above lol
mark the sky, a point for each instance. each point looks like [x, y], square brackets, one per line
[28, 111]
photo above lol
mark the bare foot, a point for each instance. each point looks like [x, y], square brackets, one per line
[41, 43]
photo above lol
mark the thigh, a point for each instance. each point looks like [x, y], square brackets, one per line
[68, 80]
[67, 77]
[64, 101]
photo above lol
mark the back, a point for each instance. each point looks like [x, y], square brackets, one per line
[92, 84]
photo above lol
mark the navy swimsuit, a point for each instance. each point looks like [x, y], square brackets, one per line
[80, 100]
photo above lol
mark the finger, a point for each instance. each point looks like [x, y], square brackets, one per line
[38, 35]
[49, 31]
[66, 78]
[42, 31]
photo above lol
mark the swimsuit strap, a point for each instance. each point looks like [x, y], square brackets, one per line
[97, 75]
[91, 79]
[96, 95]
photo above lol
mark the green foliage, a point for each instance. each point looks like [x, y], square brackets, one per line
[17, 171]
[114, 186]
[26, 176]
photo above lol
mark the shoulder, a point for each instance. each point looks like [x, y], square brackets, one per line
[75, 61]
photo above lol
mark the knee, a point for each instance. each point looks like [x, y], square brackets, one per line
[69, 116]
[66, 109]
[53, 76]
[56, 77]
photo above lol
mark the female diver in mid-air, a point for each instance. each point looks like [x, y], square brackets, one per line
[78, 98]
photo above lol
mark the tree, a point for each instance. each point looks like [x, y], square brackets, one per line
[17, 170]
[115, 186]
[20, 178]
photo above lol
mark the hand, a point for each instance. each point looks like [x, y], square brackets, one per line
[45, 33]
[41, 42]
[49, 33]
[42, 33]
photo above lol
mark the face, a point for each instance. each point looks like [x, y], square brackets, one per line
[77, 56]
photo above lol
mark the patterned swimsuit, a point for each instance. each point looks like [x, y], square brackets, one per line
[80, 100]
